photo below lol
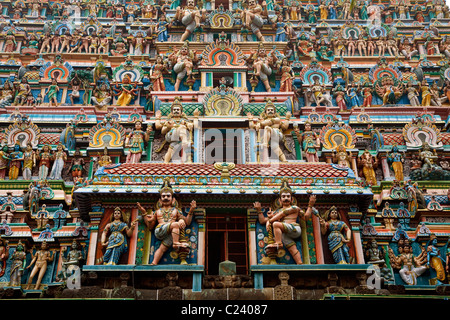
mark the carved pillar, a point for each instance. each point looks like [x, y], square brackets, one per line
[385, 167]
[251, 226]
[355, 222]
[133, 239]
[355, 166]
[95, 218]
[318, 240]
[200, 217]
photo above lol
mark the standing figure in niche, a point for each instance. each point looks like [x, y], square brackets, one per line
[411, 267]
[283, 222]
[368, 163]
[114, 237]
[310, 142]
[29, 162]
[44, 158]
[40, 260]
[156, 74]
[170, 222]
[18, 265]
[435, 260]
[135, 141]
[15, 164]
[339, 234]
[52, 93]
[183, 61]
[59, 159]
[262, 65]
[396, 159]
[287, 76]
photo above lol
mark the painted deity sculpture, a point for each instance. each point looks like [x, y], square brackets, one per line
[396, 160]
[310, 142]
[169, 222]
[156, 74]
[29, 162]
[178, 130]
[283, 222]
[73, 258]
[125, 91]
[429, 157]
[191, 17]
[183, 61]
[40, 260]
[15, 163]
[135, 142]
[22, 91]
[287, 76]
[44, 156]
[76, 165]
[434, 259]
[4, 161]
[339, 234]
[252, 17]
[52, 93]
[101, 96]
[367, 163]
[114, 237]
[59, 159]
[411, 266]
[18, 263]
[341, 157]
[262, 64]
[272, 127]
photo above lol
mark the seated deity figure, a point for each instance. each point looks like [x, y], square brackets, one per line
[169, 222]
[282, 224]
[191, 17]
[178, 131]
[272, 127]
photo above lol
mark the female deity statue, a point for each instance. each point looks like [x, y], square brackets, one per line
[113, 237]
[59, 158]
[339, 234]
[287, 76]
[339, 93]
[44, 158]
[310, 142]
[156, 74]
[135, 142]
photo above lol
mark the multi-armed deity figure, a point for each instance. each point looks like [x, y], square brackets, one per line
[183, 61]
[262, 64]
[411, 266]
[178, 130]
[170, 222]
[191, 17]
[282, 224]
[135, 142]
[273, 127]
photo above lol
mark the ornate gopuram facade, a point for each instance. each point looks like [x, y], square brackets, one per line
[224, 150]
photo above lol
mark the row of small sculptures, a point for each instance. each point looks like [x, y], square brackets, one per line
[293, 10]
[169, 222]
